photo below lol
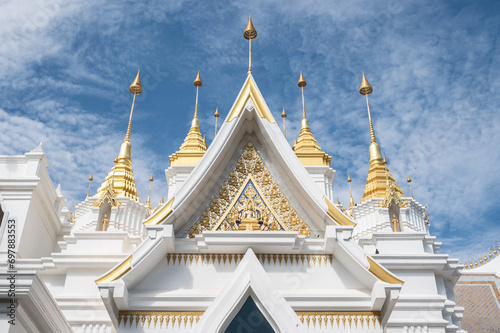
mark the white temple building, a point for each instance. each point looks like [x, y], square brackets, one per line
[248, 240]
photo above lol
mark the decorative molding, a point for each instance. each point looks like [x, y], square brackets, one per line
[153, 318]
[269, 259]
[350, 319]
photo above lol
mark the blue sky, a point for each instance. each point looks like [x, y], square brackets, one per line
[434, 67]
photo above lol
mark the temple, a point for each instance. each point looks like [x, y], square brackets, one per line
[249, 239]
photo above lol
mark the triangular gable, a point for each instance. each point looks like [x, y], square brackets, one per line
[249, 279]
[252, 92]
[250, 200]
[248, 125]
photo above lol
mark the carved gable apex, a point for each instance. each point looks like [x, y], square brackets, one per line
[250, 200]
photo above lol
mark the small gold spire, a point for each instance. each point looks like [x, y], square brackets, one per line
[379, 178]
[91, 178]
[121, 176]
[466, 265]
[495, 250]
[338, 202]
[194, 146]
[216, 115]
[148, 201]
[409, 183]
[162, 201]
[475, 262]
[352, 204]
[307, 149]
[283, 115]
[491, 255]
[250, 33]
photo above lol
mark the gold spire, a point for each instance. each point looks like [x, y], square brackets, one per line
[352, 204]
[283, 115]
[148, 201]
[379, 178]
[250, 33]
[306, 148]
[91, 178]
[216, 115]
[121, 176]
[409, 183]
[194, 146]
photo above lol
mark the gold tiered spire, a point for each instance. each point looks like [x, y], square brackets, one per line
[379, 179]
[121, 177]
[194, 146]
[250, 33]
[307, 149]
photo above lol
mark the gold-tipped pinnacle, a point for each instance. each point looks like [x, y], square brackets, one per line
[216, 115]
[302, 82]
[151, 178]
[91, 178]
[136, 87]
[365, 88]
[349, 179]
[409, 183]
[283, 115]
[197, 81]
[250, 33]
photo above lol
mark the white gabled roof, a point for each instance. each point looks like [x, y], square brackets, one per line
[249, 120]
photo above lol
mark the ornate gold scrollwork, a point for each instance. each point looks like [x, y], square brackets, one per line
[249, 199]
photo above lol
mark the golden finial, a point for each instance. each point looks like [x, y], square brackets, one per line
[136, 89]
[349, 180]
[485, 258]
[495, 250]
[216, 115]
[480, 260]
[295, 144]
[250, 33]
[466, 265]
[366, 89]
[475, 262]
[302, 83]
[338, 202]
[283, 115]
[91, 178]
[470, 264]
[148, 201]
[384, 160]
[198, 83]
[162, 200]
[409, 183]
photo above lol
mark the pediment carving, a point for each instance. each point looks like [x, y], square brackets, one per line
[250, 200]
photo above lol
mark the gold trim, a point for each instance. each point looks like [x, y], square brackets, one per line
[161, 214]
[347, 318]
[381, 273]
[201, 259]
[176, 318]
[117, 272]
[250, 90]
[336, 215]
